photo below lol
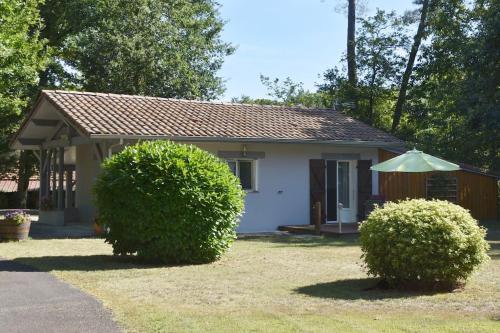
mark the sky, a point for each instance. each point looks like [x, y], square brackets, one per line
[281, 38]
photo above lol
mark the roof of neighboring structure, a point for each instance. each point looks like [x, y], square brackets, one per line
[110, 115]
[8, 183]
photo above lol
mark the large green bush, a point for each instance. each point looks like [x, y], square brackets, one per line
[422, 244]
[168, 202]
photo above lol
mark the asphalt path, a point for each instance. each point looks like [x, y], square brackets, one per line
[35, 301]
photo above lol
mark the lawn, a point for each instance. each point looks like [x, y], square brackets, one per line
[273, 284]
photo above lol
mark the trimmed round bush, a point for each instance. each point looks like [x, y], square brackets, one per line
[420, 244]
[168, 203]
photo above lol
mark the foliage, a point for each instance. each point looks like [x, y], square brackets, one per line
[158, 48]
[422, 244]
[381, 46]
[245, 99]
[164, 48]
[16, 216]
[23, 54]
[286, 92]
[454, 102]
[169, 203]
[450, 106]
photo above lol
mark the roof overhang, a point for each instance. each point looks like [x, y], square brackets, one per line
[49, 126]
[46, 126]
[374, 144]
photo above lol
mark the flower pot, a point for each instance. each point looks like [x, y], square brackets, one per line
[13, 231]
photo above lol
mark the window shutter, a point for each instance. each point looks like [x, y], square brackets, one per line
[364, 186]
[317, 187]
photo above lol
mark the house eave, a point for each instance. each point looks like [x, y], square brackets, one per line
[246, 139]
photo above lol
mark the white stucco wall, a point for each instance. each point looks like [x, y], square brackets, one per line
[283, 181]
[285, 168]
[87, 169]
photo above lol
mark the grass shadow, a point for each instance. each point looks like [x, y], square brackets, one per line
[493, 230]
[356, 289]
[78, 263]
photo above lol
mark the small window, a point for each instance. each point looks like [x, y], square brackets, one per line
[442, 187]
[245, 171]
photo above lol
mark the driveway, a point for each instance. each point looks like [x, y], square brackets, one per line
[34, 301]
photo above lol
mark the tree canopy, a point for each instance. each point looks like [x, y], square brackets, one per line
[430, 75]
[165, 48]
[23, 54]
[157, 48]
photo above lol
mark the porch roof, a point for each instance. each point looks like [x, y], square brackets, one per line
[111, 116]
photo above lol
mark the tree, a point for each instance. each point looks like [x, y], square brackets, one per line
[479, 101]
[453, 98]
[382, 42]
[351, 43]
[286, 93]
[163, 48]
[245, 99]
[158, 48]
[409, 66]
[381, 45]
[23, 56]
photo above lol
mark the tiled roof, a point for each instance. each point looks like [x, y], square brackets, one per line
[8, 183]
[98, 114]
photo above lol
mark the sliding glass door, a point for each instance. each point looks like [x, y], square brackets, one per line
[340, 188]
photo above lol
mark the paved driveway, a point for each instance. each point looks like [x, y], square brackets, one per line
[34, 301]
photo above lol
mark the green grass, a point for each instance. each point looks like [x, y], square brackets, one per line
[287, 284]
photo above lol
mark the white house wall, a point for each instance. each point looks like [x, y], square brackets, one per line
[282, 196]
[87, 169]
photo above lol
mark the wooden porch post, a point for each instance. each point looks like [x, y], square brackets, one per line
[69, 188]
[43, 176]
[60, 191]
[54, 178]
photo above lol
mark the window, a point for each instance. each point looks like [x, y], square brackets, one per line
[443, 187]
[245, 171]
[343, 181]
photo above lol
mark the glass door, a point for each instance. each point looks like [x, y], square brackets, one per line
[340, 188]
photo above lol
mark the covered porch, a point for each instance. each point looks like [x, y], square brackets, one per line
[69, 162]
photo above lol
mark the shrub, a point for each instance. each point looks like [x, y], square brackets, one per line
[168, 202]
[421, 244]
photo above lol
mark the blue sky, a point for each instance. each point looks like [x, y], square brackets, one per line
[280, 38]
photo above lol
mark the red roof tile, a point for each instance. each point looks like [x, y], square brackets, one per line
[109, 114]
[8, 183]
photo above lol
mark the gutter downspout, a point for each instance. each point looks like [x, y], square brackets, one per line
[110, 148]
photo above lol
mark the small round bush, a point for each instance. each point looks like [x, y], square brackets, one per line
[168, 203]
[420, 244]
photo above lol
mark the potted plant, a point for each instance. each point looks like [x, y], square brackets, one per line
[15, 225]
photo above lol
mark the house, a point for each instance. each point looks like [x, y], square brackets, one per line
[288, 159]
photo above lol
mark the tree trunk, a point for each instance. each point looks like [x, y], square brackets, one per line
[370, 109]
[351, 43]
[409, 66]
[372, 98]
[26, 169]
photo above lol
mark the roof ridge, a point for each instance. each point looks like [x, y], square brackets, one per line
[76, 92]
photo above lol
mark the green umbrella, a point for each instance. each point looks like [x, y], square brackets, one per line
[415, 161]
